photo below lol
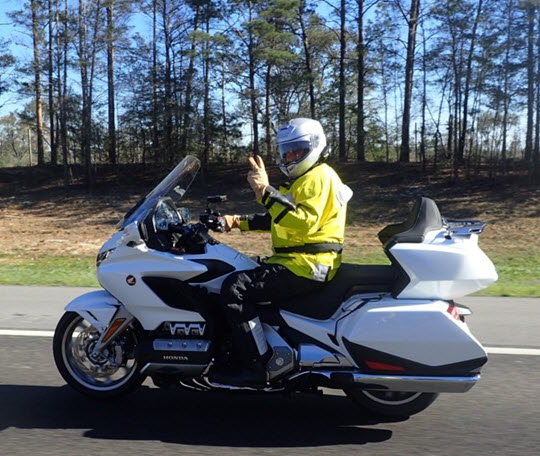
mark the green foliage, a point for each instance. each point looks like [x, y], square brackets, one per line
[205, 47]
[53, 271]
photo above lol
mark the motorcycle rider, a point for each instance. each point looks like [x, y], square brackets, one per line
[306, 217]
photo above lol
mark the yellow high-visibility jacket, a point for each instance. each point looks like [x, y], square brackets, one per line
[307, 221]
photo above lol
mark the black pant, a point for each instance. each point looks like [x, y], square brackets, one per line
[243, 291]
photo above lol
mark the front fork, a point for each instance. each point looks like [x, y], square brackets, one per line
[119, 322]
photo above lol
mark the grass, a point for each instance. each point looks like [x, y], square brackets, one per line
[48, 271]
[519, 274]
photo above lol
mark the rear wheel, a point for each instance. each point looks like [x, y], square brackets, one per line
[112, 373]
[391, 403]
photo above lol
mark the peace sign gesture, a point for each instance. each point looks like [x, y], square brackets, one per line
[257, 177]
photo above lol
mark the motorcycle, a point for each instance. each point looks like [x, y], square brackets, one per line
[390, 336]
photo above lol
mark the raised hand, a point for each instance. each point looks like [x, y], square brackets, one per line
[231, 221]
[257, 177]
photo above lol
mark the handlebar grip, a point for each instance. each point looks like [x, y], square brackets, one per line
[213, 222]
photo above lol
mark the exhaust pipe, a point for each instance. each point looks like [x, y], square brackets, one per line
[416, 384]
[405, 383]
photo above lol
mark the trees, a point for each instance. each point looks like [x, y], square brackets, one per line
[215, 77]
[7, 62]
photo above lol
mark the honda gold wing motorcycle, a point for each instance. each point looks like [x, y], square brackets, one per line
[390, 336]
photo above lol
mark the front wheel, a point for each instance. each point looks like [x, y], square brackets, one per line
[391, 403]
[113, 373]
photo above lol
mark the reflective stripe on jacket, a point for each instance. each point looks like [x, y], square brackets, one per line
[307, 215]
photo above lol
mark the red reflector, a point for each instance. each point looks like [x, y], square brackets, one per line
[452, 310]
[383, 367]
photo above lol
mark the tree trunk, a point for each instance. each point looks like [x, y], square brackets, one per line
[468, 74]
[87, 59]
[206, 104]
[506, 95]
[536, 168]
[385, 102]
[530, 83]
[307, 54]
[59, 89]
[186, 124]
[110, 82]
[342, 50]
[252, 93]
[268, 115]
[424, 102]
[168, 92]
[54, 152]
[155, 138]
[86, 113]
[62, 103]
[360, 134]
[409, 71]
[34, 4]
[225, 139]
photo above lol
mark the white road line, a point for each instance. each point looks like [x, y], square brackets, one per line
[512, 351]
[490, 350]
[26, 332]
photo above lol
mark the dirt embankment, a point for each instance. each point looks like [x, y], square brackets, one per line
[39, 217]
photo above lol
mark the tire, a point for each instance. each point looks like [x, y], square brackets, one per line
[393, 404]
[97, 378]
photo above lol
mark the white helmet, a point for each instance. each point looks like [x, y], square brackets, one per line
[301, 144]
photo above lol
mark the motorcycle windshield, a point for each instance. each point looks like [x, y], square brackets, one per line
[175, 186]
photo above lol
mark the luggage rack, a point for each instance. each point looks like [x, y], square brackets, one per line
[464, 227]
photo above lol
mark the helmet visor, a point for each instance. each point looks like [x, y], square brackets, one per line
[294, 151]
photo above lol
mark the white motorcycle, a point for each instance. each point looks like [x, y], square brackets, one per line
[390, 336]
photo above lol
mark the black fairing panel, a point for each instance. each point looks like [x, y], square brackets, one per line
[174, 292]
[215, 269]
[349, 280]
[361, 354]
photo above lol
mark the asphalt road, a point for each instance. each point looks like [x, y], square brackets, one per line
[39, 415]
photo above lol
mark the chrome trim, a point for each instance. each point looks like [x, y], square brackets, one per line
[191, 345]
[409, 383]
[464, 227]
[222, 387]
[405, 383]
[166, 368]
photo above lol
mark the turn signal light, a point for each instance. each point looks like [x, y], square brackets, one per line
[114, 327]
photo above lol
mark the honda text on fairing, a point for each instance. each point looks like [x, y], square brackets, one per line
[390, 336]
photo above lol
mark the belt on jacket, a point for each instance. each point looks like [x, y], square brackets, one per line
[319, 247]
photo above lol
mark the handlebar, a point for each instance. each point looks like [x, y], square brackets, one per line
[213, 221]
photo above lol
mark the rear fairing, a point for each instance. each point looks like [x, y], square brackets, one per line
[395, 336]
[441, 267]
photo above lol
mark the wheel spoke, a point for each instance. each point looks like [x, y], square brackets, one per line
[96, 373]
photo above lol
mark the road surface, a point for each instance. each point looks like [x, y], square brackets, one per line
[40, 415]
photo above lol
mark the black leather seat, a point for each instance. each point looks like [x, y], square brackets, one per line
[350, 279]
[424, 217]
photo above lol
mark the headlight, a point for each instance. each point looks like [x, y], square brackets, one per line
[102, 256]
